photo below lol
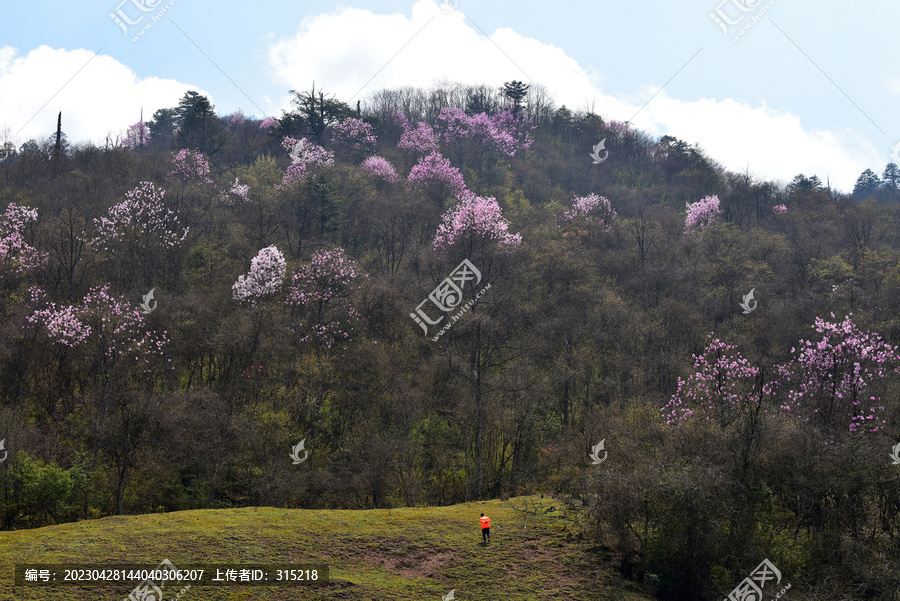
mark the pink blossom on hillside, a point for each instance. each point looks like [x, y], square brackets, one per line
[137, 136]
[236, 118]
[381, 168]
[267, 271]
[701, 214]
[304, 156]
[353, 133]
[237, 193]
[14, 250]
[268, 122]
[190, 166]
[591, 208]
[421, 139]
[322, 292]
[436, 173]
[62, 323]
[475, 216]
[141, 217]
[779, 209]
[503, 132]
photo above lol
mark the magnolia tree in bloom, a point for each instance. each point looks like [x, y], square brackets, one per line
[381, 168]
[832, 374]
[435, 174]
[238, 193]
[268, 122]
[701, 214]
[354, 134]
[591, 209]
[825, 383]
[478, 217]
[236, 118]
[421, 139]
[110, 323]
[304, 156]
[322, 293]
[141, 219]
[15, 252]
[267, 271]
[503, 132]
[137, 136]
[190, 166]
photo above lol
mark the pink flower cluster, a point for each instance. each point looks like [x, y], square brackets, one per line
[241, 191]
[503, 132]
[142, 216]
[701, 214]
[591, 208]
[824, 383]
[102, 319]
[475, 216]
[236, 118]
[323, 290]
[268, 122]
[353, 133]
[436, 173]
[190, 166]
[13, 248]
[779, 209]
[137, 136]
[421, 139]
[303, 155]
[267, 271]
[381, 168]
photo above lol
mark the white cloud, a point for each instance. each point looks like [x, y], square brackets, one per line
[343, 50]
[96, 95]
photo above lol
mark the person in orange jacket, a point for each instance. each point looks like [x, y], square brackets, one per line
[485, 528]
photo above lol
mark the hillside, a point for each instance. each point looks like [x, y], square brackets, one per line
[403, 554]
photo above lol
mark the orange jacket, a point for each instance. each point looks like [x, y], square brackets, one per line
[485, 522]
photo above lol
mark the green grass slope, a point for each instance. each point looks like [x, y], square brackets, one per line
[402, 554]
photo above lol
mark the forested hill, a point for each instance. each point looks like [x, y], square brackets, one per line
[455, 295]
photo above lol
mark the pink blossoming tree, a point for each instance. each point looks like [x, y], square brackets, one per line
[590, 210]
[190, 166]
[268, 123]
[305, 156]
[15, 253]
[475, 217]
[381, 168]
[354, 134]
[701, 214]
[322, 294]
[437, 177]
[267, 271]
[141, 221]
[421, 139]
[137, 136]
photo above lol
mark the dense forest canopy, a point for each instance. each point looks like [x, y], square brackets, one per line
[183, 306]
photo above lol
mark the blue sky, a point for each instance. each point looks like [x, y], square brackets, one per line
[809, 87]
